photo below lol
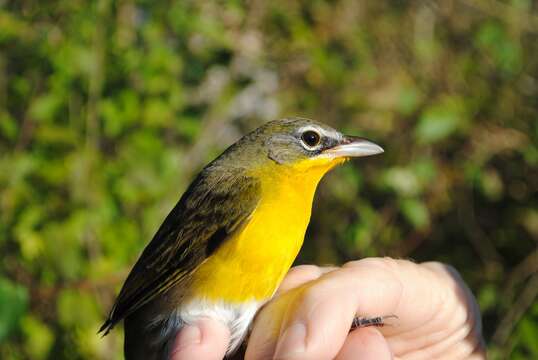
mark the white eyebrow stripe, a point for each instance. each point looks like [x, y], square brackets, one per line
[330, 134]
[323, 133]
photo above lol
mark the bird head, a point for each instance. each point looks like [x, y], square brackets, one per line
[308, 143]
[298, 145]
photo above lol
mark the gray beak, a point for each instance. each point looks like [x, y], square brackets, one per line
[353, 146]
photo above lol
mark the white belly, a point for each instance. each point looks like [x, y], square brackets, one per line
[237, 317]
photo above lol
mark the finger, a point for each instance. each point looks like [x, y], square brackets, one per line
[461, 289]
[320, 323]
[301, 274]
[297, 276]
[444, 316]
[266, 326]
[365, 344]
[418, 293]
[262, 339]
[467, 338]
[313, 321]
[207, 339]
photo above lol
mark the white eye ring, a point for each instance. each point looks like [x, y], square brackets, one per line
[310, 139]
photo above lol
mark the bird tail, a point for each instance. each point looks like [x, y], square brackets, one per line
[106, 327]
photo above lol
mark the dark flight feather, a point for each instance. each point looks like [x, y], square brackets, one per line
[217, 202]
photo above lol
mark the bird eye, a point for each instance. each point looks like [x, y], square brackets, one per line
[310, 138]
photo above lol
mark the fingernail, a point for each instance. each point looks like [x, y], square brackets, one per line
[292, 341]
[188, 336]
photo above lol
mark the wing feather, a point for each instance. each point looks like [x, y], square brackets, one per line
[211, 209]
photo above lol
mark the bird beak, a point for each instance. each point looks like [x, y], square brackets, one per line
[353, 146]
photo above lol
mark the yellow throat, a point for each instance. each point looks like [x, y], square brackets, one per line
[251, 264]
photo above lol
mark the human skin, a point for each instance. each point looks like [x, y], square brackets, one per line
[436, 316]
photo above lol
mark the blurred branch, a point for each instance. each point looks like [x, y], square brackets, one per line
[27, 126]
[96, 79]
[96, 84]
[523, 270]
[26, 130]
[516, 311]
[478, 238]
[412, 242]
[214, 123]
[3, 84]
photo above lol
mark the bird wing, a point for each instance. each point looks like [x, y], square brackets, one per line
[213, 207]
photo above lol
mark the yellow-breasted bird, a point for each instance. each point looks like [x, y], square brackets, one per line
[225, 247]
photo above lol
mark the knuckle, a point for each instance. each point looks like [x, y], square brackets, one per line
[309, 271]
[382, 263]
[444, 272]
[439, 267]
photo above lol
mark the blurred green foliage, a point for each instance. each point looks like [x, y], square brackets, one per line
[107, 110]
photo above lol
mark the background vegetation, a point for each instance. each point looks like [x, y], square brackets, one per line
[108, 108]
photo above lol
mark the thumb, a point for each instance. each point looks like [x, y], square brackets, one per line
[205, 339]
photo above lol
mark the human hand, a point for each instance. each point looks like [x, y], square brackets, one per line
[311, 314]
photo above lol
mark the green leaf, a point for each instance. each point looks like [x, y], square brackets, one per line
[491, 184]
[487, 297]
[408, 100]
[505, 50]
[402, 180]
[39, 337]
[13, 304]
[45, 107]
[76, 309]
[8, 126]
[416, 213]
[441, 120]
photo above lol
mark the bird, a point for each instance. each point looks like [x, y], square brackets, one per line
[224, 248]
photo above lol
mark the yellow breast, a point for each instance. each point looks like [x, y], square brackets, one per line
[251, 264]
